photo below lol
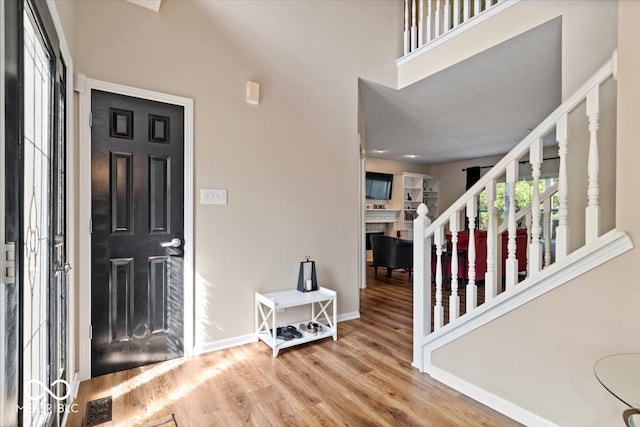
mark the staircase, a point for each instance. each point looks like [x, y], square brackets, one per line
[465, 277]
[552, 258]
[508, 289]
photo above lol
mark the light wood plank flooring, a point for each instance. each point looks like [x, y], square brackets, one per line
[363, 379]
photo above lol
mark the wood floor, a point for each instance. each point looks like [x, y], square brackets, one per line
[363, 379]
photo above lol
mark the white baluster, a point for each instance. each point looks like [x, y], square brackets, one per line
[429, 20]
[472, 289]
[456, 13]
[421, 25]
[438, 311]
[535, 248]
[421, 284]
[476, 7]
[547, 230]
[511, 265]
[407, 42]
[487, 4]
[447, 16]
[490, 277]
[438, 19]
[562, 231]
[593, 168]
[466, 4]
[414, 28]
[454, 298]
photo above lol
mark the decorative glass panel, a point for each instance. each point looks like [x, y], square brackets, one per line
[37, 226]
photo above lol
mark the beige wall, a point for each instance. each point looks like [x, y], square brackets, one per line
[541, 356]
[290, 164]
[391, 166]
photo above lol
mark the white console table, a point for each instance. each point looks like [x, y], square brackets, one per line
[268, 305]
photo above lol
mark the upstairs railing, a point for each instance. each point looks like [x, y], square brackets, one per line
[526, 254]
[427, 20]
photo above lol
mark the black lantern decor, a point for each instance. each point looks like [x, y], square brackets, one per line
[307, 280]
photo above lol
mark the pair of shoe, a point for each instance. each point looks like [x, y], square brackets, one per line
[312, 328]
[287, 333]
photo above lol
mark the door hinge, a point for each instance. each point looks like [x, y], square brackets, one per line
[90, 225]
[90, 119]
[7, 262]
[90, 332]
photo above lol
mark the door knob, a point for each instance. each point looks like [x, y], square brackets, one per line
[66, 268]
[174, 243]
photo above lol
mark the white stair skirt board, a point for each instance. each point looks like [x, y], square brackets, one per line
[497, 403]
[605, 248]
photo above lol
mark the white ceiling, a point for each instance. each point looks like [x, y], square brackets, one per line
[480, 107]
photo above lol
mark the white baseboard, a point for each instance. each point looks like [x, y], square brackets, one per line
[251, 338]
[497, 403]
[225, 343]
[348, 316]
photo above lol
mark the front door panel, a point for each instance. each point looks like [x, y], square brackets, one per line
[137, 232]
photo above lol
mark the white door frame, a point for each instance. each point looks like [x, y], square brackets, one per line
[84, 86]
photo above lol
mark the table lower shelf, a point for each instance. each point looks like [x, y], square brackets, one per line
[319, 303]
[279, 344]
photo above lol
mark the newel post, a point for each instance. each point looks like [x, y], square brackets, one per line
[421, 284]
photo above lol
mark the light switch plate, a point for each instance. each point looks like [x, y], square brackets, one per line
[213, 196]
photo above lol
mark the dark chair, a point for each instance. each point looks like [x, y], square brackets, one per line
[391, 252]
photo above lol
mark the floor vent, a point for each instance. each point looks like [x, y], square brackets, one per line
[97, 412]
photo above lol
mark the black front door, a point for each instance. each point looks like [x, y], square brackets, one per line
[137, 204]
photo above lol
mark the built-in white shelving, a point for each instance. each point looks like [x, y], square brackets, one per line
[416, 189]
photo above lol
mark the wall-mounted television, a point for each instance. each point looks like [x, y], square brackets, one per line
[378, 185]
